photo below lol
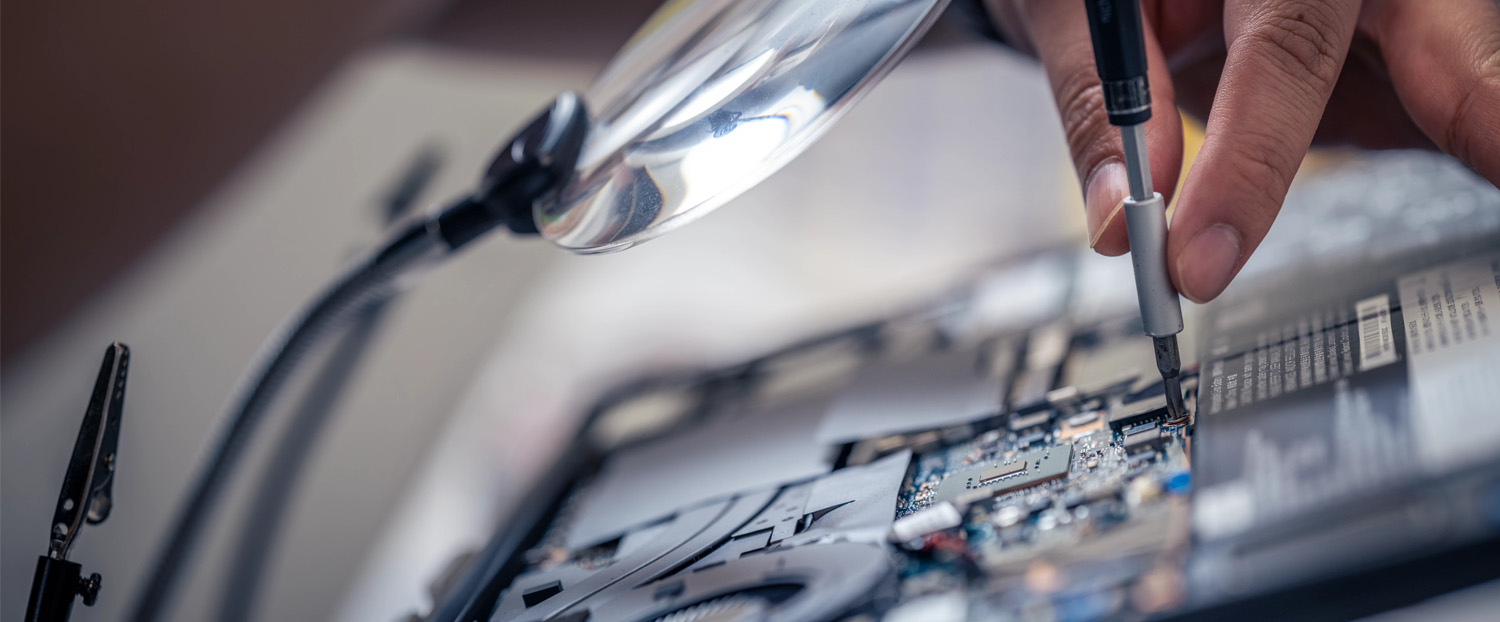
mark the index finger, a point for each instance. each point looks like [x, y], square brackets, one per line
[1284, 57]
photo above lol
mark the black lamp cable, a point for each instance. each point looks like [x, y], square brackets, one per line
[274, 492]
[369, 283]
[536, 161]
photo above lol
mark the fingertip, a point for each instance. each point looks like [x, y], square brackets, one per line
[1208, 261]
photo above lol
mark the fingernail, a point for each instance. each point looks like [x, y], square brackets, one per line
[1207, 263]
[1104, 226]
[1106, 188]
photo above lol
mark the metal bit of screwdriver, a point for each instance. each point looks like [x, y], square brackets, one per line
[1120, 57]
[1169, 363]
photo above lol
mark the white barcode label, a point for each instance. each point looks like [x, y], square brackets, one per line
[1377, 346]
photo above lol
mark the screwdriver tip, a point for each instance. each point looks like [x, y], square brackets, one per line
[1176, 407]
[1169, 363]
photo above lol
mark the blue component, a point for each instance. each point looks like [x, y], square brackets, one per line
[1084, 606]
[1180, 483]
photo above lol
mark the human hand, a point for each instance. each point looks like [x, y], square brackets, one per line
[1271, 77]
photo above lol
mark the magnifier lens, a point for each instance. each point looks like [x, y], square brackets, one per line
[712, 96]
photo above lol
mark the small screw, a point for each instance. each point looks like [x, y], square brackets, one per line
[89, 589]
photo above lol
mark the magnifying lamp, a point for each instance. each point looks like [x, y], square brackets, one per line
[705, 101]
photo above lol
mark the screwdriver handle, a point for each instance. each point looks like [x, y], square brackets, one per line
[1120, 57]
[1146, 224]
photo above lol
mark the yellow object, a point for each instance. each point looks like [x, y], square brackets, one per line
[1192, 141]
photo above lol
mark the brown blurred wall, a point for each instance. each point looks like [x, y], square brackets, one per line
[119, 116]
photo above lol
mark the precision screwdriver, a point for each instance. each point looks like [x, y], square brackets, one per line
[1120, 57]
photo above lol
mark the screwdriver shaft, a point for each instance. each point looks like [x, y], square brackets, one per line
[1137, 162]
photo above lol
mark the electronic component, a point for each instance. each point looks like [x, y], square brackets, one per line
[936, 518]
[1030, 438]
[1080, 425]
[1027, 469]
[1144, 440]
[1142, 490]
[1063, 396]
[994, 475]
[1139, 411]
[1021, 423]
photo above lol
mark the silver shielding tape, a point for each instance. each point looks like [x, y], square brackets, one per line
[1146, 223]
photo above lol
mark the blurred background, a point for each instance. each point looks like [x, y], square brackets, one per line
[179, 176]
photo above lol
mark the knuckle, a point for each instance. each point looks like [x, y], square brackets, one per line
[1461, 137]
[1265, 173]
[1080, 101]
[1302, 39]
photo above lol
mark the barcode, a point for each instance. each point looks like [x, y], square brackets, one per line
[1377, 346]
